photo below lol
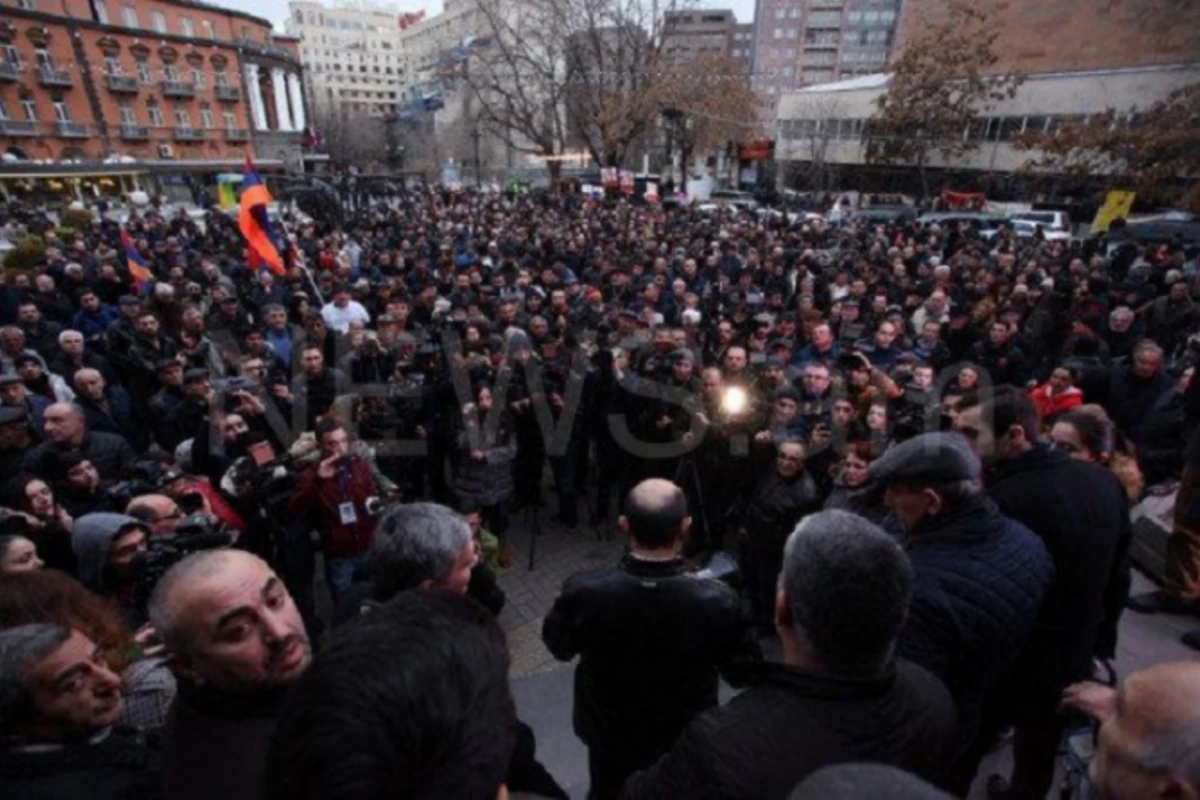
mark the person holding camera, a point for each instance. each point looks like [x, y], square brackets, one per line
[342, 497]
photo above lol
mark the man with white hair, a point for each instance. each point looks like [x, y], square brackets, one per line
[73, 355]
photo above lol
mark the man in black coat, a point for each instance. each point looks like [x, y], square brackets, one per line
[1079, 511]
[980, 577]
[59, 705]
[839, 694]
[651, 638]
[237, 644]
[780, 499]
[66, 431]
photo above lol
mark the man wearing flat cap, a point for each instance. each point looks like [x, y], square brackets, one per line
[979, 577]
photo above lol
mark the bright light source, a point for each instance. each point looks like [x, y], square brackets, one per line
[734, 401]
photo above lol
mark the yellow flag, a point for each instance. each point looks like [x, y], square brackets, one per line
[1116, 204]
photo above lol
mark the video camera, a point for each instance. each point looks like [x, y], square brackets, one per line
[194, 533]
[149, 477]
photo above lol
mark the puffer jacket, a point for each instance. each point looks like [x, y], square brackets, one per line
[979, 580]
[490, 480]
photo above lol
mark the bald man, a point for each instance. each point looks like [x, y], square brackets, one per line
[237, 644]
[651, 639]
[66, 430]
[1149, 743]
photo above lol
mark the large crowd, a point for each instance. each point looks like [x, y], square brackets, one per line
[898, 459]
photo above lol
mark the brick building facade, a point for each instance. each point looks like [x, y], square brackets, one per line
[1042, 36]
[166, 81]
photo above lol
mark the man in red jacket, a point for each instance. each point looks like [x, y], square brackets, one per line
[338, 493]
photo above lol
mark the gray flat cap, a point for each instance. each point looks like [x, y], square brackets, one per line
[930, 456]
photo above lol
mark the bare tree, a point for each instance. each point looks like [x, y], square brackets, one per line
[939, 84]
[518, 75]
[708, 103]
[351, 138]
[1154, 149]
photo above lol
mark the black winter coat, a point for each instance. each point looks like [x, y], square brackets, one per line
[791, 723]
[651, 639]
[123, 766]
[979, 579]
[1079, 512]
[109, 453]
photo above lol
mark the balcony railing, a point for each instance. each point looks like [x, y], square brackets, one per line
[189, 134]
[134, 132]
[18, 127]
[50, 76]
[10, 71]
[231, 93]
[121, 83]
[178, 89]
[237, 135]
[71, 130]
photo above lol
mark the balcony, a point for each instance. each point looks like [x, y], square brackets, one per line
[10, 71]
[189, 135]
[18, 127]
[228, 93]
[134, 133]
[124, 84]
[71, 130]
[50, 76]
[237, 135]
[821, 5]
[178, 89]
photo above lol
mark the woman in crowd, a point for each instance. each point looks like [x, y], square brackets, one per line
[484, 465]
[1089, 435]
[47, 523]
[17, 554]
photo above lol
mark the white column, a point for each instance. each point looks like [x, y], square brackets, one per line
[258, 111]
[298, 116]
[281, 104]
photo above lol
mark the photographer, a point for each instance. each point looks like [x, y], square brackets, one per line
[341, 496]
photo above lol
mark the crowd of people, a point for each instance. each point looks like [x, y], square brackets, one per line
[920, 447]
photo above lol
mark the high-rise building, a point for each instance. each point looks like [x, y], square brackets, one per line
[687, 34]
[352, 56]
[802, 42]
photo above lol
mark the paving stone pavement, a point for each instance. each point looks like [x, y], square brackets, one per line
[558, 554]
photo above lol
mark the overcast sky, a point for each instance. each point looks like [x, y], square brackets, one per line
[276, 10]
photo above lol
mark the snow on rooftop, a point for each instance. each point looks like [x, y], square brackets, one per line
[877, 80]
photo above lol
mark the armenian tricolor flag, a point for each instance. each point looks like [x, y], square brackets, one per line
[139, 274]
[256, 226]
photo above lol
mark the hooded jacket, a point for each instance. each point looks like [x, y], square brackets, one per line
[91, 538]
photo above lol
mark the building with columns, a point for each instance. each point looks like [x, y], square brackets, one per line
[174, 87]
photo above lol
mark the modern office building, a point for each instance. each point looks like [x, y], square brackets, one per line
[158, 82]
[352, 56]
[803, 42]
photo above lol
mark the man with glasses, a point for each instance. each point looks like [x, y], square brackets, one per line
[159, 512]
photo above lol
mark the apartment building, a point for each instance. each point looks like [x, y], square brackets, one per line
[352, 56]
[803, 42]
[687, 34]
[166, 82]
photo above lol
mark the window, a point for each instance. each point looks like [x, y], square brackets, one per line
[156, 117]
[61, 112]
[171, 72]
[128, 114]
[221, 78]
[198, 77]
[112, 65]
[183, 119]
[3, 110]
[28, 5]
[206, 27]
[29, 108]
[781, 13]
[186, 26]
[206, 117]
[129, 16]
[10, 54]
[143, 71]
[101, 11]
[158, 22]
[41, 57]
[230, 120]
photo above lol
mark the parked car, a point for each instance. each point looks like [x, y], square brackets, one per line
[1049, 220]
[981, 220]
